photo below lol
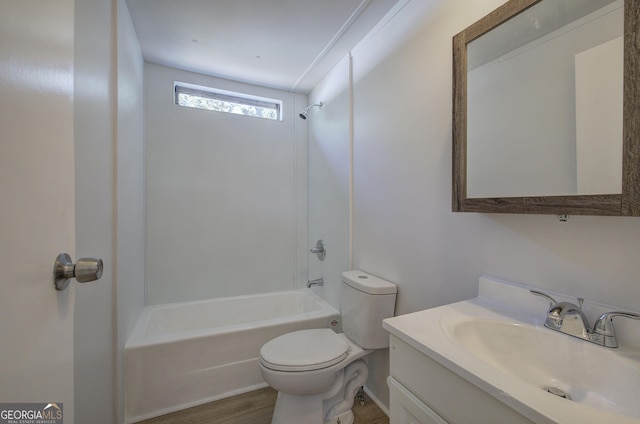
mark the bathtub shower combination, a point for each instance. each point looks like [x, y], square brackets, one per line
[185, 354]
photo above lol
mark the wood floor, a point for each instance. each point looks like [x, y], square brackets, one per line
[255, 408]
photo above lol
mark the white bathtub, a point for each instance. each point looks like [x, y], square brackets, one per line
[185, 354]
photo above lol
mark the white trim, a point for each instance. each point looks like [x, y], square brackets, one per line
[338, 35]
[377, 401]
[379, 26]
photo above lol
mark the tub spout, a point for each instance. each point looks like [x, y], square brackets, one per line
[316, 282]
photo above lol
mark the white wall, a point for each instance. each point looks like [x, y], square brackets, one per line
[109, 207]
[226, 194]
[329, 163]
[403, 227]
[95, 169]
[130, 190]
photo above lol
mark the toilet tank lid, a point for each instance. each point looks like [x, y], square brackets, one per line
[368, 283]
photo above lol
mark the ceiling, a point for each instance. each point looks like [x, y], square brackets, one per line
[285, 44]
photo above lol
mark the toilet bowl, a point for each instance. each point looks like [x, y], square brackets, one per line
[317, 372]
[311, 370]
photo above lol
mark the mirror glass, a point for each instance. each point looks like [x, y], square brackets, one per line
[545, 102]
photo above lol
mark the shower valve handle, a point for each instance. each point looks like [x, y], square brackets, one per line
[319, 250]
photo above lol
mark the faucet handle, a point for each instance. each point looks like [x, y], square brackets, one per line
[604, 324]
[603, 330]
[551, 300]
[320, 250]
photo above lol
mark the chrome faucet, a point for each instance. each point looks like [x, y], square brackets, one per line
[568, 318]
[316, 282]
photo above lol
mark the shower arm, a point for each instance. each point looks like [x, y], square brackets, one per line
[308, 108]
[304, 113]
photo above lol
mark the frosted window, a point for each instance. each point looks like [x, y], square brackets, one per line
[225, 101]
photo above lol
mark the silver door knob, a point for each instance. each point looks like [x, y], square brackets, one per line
[85, 270]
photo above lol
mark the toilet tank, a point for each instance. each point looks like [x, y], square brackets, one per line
[365, 301]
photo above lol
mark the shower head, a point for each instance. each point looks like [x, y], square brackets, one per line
[304, 113]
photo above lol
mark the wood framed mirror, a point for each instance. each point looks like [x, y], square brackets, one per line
[515, 150]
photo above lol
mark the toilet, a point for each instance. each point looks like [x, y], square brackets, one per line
[317, 372]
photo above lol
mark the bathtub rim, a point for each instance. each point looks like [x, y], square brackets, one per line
[138, 338]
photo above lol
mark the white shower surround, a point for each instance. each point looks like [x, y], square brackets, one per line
[226, 195]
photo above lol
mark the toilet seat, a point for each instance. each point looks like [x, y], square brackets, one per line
[304, 350]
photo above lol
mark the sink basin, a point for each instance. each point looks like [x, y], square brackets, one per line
[580, 371]
[497, 343]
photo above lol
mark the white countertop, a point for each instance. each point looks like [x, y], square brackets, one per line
[501, 301]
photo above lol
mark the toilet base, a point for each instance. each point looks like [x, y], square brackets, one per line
[305, 410]
[301, 409]
[345, 418]
[330, 407]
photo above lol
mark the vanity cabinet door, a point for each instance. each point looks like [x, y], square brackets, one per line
[408, 409]
[438, 388]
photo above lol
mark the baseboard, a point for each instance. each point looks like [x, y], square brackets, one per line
[377, 401]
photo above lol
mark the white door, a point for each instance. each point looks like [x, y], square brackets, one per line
[36, 201]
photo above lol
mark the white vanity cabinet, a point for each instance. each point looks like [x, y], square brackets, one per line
[424, 392]
[406, 408]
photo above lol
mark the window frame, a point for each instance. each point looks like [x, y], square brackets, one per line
[228, 97]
